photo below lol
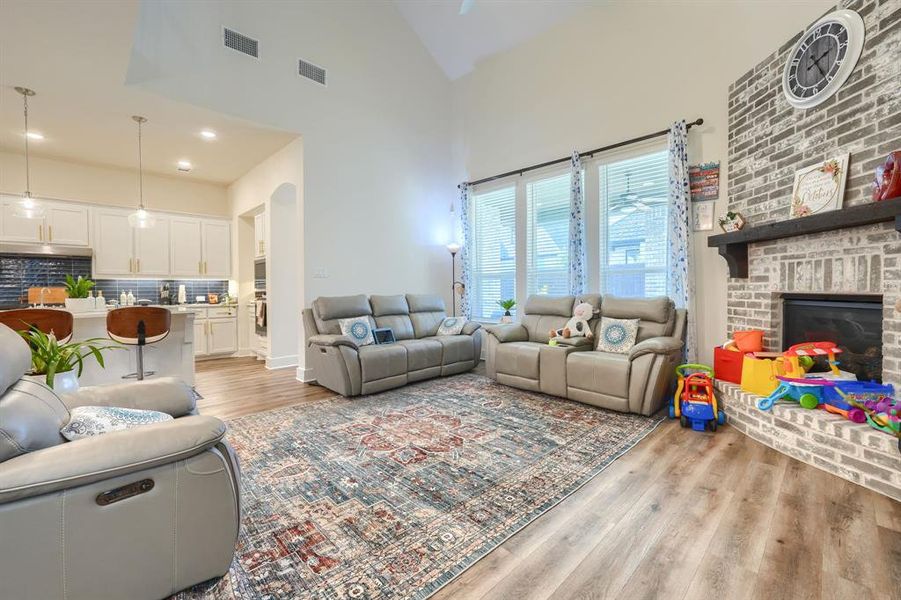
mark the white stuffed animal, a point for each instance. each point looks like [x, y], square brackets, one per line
[577, 326]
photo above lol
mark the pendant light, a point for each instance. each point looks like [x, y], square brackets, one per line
[27, 207]
[141, 219]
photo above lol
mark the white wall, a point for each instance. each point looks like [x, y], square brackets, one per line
[276, 186]
[616, 72]
[64, 180]
[378, 171]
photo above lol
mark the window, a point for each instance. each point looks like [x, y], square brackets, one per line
[494, 252]
[634, 226]
[547, 236]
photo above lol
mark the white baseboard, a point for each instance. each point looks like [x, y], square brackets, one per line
[305, 375]
[281, 362]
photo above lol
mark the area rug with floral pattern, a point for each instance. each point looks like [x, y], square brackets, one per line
[394, 495]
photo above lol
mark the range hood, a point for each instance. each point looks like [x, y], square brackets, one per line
[45, 250]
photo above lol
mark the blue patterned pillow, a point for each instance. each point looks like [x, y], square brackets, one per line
[358, 329]
[451, 326]
[88, 421]
[617, 335]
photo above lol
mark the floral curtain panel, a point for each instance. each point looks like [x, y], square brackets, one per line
[577, 260]
[680, 277]
[466, 252]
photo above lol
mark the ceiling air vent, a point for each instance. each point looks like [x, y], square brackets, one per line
[311, 71]
[241, 43]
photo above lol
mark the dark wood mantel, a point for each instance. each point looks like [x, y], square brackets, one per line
[734, 246]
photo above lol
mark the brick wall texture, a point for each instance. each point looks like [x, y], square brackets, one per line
[769, 140]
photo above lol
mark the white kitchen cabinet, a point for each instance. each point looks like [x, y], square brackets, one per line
[113, 244]
[186, 247]
[66, 224]
[259, 235]
[152, 249]
[200, 337]
[223, 336]
[16, 229]
[63, 223]
[215, 330]
[216, 249]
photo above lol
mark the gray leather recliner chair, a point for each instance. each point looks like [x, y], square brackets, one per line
[350, 370]
[131, 514]
[518, 354]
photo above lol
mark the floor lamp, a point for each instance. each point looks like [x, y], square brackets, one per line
[453, 248]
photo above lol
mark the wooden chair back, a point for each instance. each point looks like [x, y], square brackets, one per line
[48, 320]
[138, 325]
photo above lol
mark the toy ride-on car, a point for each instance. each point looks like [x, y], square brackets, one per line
[694, 402]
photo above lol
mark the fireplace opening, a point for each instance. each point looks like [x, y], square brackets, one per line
[854, 323]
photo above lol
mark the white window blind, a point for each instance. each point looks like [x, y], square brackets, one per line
[547, 236]
[494, 252]
[634, 226]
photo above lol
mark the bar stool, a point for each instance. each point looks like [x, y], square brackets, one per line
[46, 320]
[138, 326]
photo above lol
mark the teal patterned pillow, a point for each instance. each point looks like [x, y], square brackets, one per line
[88, 421]
[358, 329]
[617, 335]
[451, 326]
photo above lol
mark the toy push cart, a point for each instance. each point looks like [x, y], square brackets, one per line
[694, 402]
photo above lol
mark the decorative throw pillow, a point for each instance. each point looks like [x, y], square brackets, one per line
[358, 329]
[451, 326]
[88, 421]
[617, 335]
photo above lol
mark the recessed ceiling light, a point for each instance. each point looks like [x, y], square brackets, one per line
[208, 134]
[184, 165]
[34, 135]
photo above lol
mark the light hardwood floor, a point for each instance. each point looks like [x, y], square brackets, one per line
[681, 515]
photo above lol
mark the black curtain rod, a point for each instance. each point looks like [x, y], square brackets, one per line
[589, 153]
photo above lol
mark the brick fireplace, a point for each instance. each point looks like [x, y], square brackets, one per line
[768, 141]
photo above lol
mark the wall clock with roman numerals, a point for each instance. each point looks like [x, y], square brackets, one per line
[823, 59]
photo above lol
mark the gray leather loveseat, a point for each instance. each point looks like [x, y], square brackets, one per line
[518, 354]
[340, 365]
[136, 514]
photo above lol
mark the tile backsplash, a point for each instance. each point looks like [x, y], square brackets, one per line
[18, 273]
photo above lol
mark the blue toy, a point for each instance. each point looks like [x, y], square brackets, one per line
[694, 402]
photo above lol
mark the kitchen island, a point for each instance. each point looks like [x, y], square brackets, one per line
[173, 356]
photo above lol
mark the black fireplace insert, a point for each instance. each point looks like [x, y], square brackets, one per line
[854, 323]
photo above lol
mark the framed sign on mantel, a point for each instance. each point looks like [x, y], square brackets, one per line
[819, 188]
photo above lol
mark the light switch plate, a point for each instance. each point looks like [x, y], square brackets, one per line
[320, 273]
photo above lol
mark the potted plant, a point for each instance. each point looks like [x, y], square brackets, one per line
[79, 292]
[60, 365]
[507, 305]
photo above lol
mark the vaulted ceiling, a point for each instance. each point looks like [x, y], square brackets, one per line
[459, 41]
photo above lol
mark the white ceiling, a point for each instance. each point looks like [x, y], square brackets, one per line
[458, 42]
[75, 55]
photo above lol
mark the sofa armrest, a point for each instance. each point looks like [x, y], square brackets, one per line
[331, 340]
[166, 394]
[657, 345]
[509, 332]
[471, 327]
[574, 342]
[106, 456]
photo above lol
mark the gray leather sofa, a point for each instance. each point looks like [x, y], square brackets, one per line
[340, 365]
[518, 354]
[70, 529]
